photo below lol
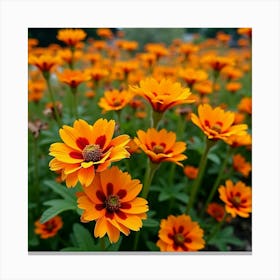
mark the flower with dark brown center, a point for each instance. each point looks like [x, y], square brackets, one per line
[92, 153]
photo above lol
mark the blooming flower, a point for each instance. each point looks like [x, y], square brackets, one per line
[49, 228]
[104, 32]
[190, 171]
[237, 197]
[87, 149]
[71, 37]
[216, 123]
[180, 234]
[216, 211]
[161, 146]
[164, 94]
[111, 200]
[44, 62]
[115, 100]
[245, 105]
[73, 78]
[192, 76]
[233, 86]
[240, 165]
[239, 140]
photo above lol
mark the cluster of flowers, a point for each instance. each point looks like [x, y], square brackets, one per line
[148, 82]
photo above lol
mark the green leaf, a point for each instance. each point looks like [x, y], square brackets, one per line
[114, 246]
[164, 196]
[214, 158]
[84, 238]
[152, 246]
[67, 194]
[70, 249]
[150, 223]
[57, 206]
[181, 197]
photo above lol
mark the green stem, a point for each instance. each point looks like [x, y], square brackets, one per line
[155, 119]
[201, 169]
[218, 179]
[102, 244]
[216, 228]
[150, 171]
[75, 105]
[215, 93]
[36, 174]
[57, 117]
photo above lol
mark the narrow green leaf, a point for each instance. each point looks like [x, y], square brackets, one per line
[57, 206]
[150, 223]
[152, 246]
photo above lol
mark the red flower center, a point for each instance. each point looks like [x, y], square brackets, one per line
[179, 239]
[235, 201]
[92, 153]
[157, 149]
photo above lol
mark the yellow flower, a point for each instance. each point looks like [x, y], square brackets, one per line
[115, 100]
[70, 36]
[163, 95]
[237, 197]
[179, 234]
[87, 149]
[161, 146]
[111, 200]
[216, 123]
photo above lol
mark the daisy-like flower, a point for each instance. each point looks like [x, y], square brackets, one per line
[179, 234]
[87, 149]
[245, 105]
[233, 86]
[217, 63]
[97, 73]
[161, 146]
[115, 100]
[71, 37]
[237, 197]
[49, 228]
[192, 76]
[111, 200]
[240, 165]
[216, 210]
[239, 140]
[216, 123]
[104, 33]
[191, 172]
[164, 94]
[73, 78]
[44, 62]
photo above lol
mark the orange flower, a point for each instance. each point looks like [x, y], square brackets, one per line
[245, 105]
[191, 171]
[245, 31]
[87, 149]
[204, 87]
[164, 94]
[97, 74]
[233, 86]
[105, 33]
[49, 228]
[114, 100]
[238, 198]
[240, 165]
[188, 48]
[161, 146]
[44, 62]
[231, 73]
[70, 36]
[73, 78]
[178, 234]
[157, 49]
[192, 76]
[216, 123]
[111, 200]
[217, 63]
[216, 211]
[128, 45]
[36, 90]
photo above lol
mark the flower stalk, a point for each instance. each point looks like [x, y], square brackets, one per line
[150, 171]
[201, 168]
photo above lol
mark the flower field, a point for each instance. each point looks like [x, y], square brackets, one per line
[140, 145]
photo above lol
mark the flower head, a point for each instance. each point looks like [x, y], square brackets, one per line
[161, 146]
[73, 78]
[164, 94]
[216, 210]
[179, 234]
[191, 172]
[115, 100]
[49, 228]
[245, 105]
[71, 37]
[87, 149]
[241, 166]
[216, 123]
[237, 197]
[192, 76]
[44, 62]
[111, 200]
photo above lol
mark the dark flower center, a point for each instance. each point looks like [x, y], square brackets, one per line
[235, 201]
[112, 203]
[157, 149]
[92, 153]
[179, 239]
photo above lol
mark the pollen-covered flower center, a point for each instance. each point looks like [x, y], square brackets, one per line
[179, 239]
[92, 153]
[157, 149]
[217, 127]
[236, 201]
[112, 203]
